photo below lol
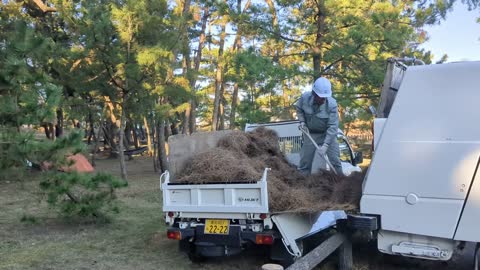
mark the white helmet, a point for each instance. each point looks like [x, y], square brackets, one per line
[322, 87]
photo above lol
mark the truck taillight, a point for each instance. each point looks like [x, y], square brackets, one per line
[264, 239]
[170, 214]
[263, 216]
[174, 235]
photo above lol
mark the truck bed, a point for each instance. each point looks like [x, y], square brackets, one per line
[219, 200]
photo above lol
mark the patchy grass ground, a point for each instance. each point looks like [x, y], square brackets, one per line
[134, 239]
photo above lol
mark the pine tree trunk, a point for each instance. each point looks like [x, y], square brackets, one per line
[186, 73]
[237, 46]
[96, 138]
[149, 139]
[184, 123]
[198, 57]
[59, 125]
[174, 129]
[168, 131]
[109, 136]
[49, 130]
[317, 54]
[192, 116]
[155, 146]
[221, 124]
[219, 76]
[186, 118]
[162, 153]
[186, 63]
[123, 165]
[110, 127]
[135, 136]
[128, 134]
[233, 109]
[91, 132]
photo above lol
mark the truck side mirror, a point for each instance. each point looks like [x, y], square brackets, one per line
[358, 158]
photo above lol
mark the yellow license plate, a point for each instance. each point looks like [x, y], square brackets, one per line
[217, 226]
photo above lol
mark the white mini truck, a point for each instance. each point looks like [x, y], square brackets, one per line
[421, 194]
[220, 219]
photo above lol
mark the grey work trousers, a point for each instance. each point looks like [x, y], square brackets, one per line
[307, 153]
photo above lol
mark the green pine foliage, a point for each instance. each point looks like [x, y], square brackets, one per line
[21, 152]
[82, 194]
[75, 194]
[117, 63]
[30, 96]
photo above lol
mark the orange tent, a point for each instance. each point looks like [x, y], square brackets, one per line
[81, 164]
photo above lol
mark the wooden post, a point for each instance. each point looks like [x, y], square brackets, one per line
[345, 257]
[320, 253]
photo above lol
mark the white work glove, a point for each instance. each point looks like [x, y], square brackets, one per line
[302, 126]
[323, 150]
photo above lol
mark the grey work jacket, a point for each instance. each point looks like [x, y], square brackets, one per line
[319, 119]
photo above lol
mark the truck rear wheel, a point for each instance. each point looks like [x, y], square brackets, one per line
[280, 255]
[191, 250]
[195, 257]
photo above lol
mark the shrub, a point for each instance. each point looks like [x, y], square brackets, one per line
[82, 194]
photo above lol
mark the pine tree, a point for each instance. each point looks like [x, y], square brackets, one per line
[30, 97]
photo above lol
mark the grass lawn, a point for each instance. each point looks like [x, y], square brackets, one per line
[134, 239]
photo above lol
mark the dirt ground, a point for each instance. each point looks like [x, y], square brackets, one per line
[134, 239]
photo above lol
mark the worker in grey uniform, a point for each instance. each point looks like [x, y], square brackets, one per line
[317, 111]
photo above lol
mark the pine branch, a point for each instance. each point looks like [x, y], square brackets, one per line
[112, 78]
[44, 8]
[288, 55]
[334, 63]
[72, 197]
[284, 37]
[95, 77]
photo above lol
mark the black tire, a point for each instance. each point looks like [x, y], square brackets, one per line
[191, 251]
[280, 255]
[196, 258]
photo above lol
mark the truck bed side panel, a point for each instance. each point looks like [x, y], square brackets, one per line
[216, 198]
